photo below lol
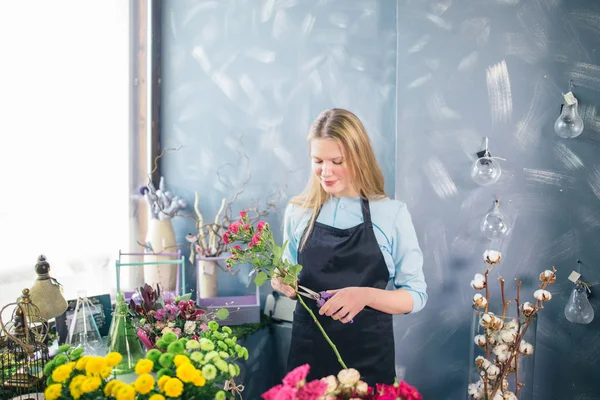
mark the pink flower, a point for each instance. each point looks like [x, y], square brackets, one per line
[235, 227]
[243, 214]
[226, 238]
[312, 390]
[255, 239]
[296, 376]
[280, 392]
[261, 225]
[237, 247]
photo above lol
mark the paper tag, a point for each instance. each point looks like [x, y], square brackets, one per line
[574, 277]
[570, 99]
[209, 268]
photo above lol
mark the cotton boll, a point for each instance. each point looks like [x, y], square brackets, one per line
[486, 320]
[525, 348]
[492, 372]
[496, 323]
[527, 308]
[502, 352]
[479, 301]
[478, 282]
[480, 340]
[492, 257]
[542, 295]
[512, 325]
[509, 396]
[548, 277]
[507, 336]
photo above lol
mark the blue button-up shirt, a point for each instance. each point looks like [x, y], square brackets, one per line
[393, 229]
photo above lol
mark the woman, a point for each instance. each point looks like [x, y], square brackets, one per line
[355, 242]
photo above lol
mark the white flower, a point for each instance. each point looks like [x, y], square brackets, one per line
[527, 308]
[476, 389]
[492, 257]
[507, 336]
[331, 383]
[362, 388]
[512, 325]
[482, 362]
[480, 340]
[189, 327]
[502, 352]
[548, 277]
[478, 282]
[479, 301]
[509, 396]
[492, 371]
[525, 348]
[348, 376]
[542, 295]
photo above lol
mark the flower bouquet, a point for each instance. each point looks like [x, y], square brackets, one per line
[502, 342]
[346, 386]
[155, 315]
[266, 257]
[187, 369]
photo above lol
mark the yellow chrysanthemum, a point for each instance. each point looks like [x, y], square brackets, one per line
[75, 386]
[80, 365]
[157, 397]
[52, 392]
[173, 387]
[186, 372]
[161, 382]
[199, 380]
[62, 373]
[144, 383]
[113, 359]
[144, 366]
[110, 386]
[95, 365]
[180, 359]
[106, 372]
[90, 384]
[126, 393]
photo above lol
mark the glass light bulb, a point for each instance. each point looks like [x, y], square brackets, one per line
[578, 309]
[569, 124]
[486, 171]
[494, 225]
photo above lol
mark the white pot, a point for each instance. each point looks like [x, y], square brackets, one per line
[161, 238]
[207, 273]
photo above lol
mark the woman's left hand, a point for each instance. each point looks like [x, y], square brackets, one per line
[345, 303]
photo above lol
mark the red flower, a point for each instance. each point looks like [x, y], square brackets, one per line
[237, 247]
[235, 227]
[261, 225]
[280, 392]
[255, 239]
[243, 214]
[226, 238]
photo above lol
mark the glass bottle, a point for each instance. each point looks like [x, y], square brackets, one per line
[123, 338]
[83, 330]
[578, 309]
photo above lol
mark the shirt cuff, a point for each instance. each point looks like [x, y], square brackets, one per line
[419, 300]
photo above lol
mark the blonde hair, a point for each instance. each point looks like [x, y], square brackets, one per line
[346, 129]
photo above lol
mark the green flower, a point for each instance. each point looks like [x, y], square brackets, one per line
[222, 345]
[206, 344]
[60, 360]
[164, 371]
[227, 329]
[176, 348]
[197, 357]
[213, 325]
[169, 337]
[209, 372]
[222, 365]
[210, 355]
[220, 395]
[224, 355]
[232, 370]
[166, 360]
[153, 355]
[64, 348]
[192, 345]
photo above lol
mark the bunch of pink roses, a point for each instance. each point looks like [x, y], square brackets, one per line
[346, 386]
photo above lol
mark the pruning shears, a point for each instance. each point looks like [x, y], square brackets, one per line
[319, 297]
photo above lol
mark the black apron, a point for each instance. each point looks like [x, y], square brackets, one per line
[335, 258]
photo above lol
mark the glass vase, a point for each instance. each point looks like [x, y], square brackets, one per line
[123, 338]
[83, 330]
[495, 344]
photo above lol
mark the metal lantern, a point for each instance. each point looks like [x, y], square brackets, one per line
[23, 350]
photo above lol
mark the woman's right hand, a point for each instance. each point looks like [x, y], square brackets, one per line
[277, 284]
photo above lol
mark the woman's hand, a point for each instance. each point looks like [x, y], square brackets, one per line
[277, 284]
[346, 303]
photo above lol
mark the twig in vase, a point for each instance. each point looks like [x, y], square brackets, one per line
[505, 304]
[518, 300]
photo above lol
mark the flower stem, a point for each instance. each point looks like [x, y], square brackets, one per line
[335, 350]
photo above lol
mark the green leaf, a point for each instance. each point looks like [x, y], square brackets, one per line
[223, 313]
[261, 278]
[277, 253]
[295, 269]
[289, 279]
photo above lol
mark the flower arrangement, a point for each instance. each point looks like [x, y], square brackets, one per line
[163, 204]
[266, 257]
[345, 386]
[156, 315]
[503, 339]
[187, 369]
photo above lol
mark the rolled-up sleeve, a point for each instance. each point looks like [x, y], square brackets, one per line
[408, 259]
[290, 251]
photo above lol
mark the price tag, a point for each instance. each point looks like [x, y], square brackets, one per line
[574, 277]
[570, 99]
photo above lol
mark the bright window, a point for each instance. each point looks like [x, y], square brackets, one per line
[64, 189]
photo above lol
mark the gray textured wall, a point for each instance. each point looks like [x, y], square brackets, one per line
[422, 75]
[455, 60]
